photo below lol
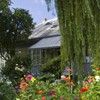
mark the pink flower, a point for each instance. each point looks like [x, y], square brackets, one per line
[90, 80]
[52, 93]
[28, 77]
[85, 82]
[68, 70]
[16, 87]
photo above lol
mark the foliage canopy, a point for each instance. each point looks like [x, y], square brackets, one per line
[15, 26]
[80, 29]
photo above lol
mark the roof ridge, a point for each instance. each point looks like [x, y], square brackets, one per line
[50, 20]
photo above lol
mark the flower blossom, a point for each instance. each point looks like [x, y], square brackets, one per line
[97, 68]
[70, 83]
[85, 82]
[83, 97]
[90, 80]
[40, 92]
[43, 98]
[67, 79]
[28, 77]
[63, 77]
[23, 85]
[84, 89]
[16, 64]
[68, 70]
[16, 87]
[91, 77]
[52, 93]
[33, 79]
[97, 78]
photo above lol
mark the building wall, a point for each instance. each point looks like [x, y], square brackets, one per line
[40, 56]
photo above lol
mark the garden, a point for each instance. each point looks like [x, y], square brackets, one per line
[25, 86]
[79, 24]
[31, 88]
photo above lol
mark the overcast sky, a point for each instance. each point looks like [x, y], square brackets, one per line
[37, 8]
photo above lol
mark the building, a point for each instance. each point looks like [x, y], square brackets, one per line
[48, 45]
[44, 44]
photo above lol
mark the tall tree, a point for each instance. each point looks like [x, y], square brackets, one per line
[79, 22]
[14, 26]
[4, 4]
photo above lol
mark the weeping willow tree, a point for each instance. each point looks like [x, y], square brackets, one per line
[79, 22]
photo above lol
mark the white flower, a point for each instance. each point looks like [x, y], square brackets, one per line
[16, 68]
[63, 77]
[97, 78]
[9, 82]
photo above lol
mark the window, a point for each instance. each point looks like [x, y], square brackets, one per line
[41, 56]
[36, 58]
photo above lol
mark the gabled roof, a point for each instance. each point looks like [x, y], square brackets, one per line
[46, 29]
[49, 42]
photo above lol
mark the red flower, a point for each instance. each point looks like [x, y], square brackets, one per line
[84, 89]
[40, 92]
[23, 85]
[91, 77]
[67, 79]
[97, 68]
[70, 83]
[43, 98]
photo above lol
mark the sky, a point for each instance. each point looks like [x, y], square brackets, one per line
[37, 8]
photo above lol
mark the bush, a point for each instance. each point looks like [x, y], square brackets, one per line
[52, 66]
[7, 92]
[16, 67]
[47, 77]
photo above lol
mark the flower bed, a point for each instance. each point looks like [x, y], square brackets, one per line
[33, 89]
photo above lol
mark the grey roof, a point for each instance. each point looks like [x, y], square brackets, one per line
[46, 29]
[50, 42]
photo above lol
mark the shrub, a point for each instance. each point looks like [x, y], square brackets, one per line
[47, 77]
[52, 66]
[16, 67]
[7, 92]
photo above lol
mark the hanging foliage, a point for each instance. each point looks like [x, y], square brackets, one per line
[79, 22]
